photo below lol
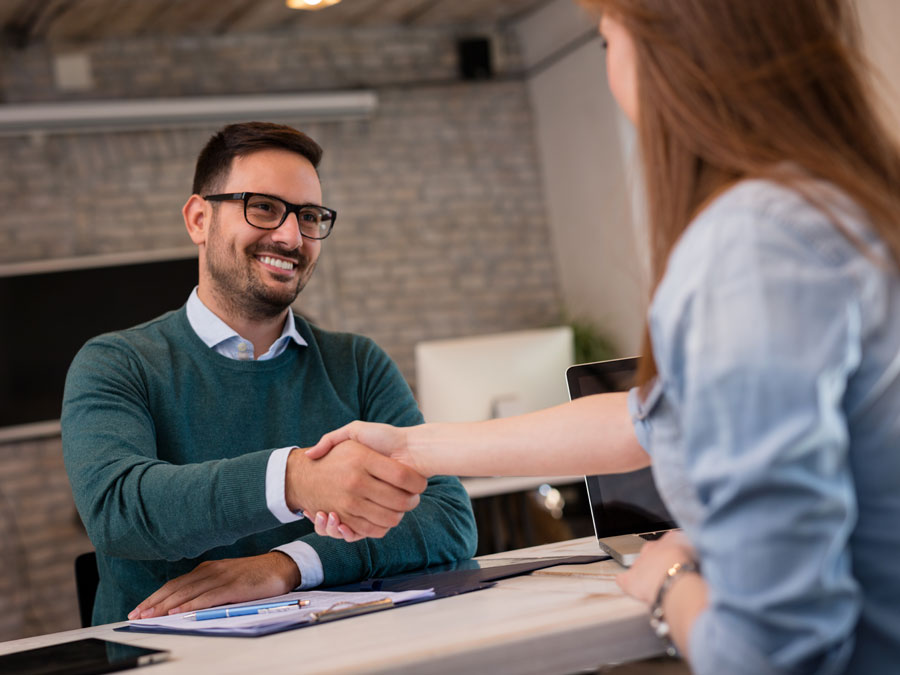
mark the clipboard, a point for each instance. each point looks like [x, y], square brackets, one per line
[465, 576]
[318, 607]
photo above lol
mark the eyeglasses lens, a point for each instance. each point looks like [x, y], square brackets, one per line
[264, 211]
[315, 222]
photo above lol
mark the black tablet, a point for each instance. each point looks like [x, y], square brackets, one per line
[82, 657]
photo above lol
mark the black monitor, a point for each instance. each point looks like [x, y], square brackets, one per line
[49, 310]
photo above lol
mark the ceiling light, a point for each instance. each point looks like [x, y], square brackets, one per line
[310, 4]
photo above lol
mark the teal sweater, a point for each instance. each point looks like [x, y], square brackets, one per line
[166, 444]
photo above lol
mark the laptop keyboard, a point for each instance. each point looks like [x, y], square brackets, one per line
[652, 536]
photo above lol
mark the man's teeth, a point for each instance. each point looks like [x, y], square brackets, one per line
[277, 262]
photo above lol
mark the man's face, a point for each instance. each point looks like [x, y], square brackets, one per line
[245, 266]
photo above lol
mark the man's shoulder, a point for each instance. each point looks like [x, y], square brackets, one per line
[332, 340]
[128, 353]
[340, 350]
[143, 337]
[361, 371]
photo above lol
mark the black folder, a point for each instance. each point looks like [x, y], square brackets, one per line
[464, 576]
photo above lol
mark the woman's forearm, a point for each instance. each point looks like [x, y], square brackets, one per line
[683, 604]
[590, 435]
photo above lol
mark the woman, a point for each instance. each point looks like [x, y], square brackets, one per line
[769, 399]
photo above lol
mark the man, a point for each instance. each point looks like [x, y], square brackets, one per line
[181, 436]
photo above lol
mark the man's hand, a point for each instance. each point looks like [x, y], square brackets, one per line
[221, 582]
[368, 491]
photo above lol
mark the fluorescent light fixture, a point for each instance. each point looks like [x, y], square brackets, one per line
[188, 111]
[310, 4]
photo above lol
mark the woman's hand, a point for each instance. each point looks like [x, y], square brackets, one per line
[684, 601]
[330, 525]
[390, 441]
[643, 579]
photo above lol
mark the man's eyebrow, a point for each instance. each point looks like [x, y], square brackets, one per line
[288, 201]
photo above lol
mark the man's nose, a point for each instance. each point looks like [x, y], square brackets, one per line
[289, 232]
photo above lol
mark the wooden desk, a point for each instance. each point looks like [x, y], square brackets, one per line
[546, 622]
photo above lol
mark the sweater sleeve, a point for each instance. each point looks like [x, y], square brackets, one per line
[440, 529]
[133, 504]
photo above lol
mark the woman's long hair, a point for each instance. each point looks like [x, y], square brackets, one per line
[729, 89]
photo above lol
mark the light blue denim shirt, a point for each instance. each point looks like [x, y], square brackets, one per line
[774, 429]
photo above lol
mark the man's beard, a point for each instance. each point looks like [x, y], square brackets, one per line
[240, 289]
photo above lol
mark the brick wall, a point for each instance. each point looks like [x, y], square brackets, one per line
[40, 536]
[442, 229]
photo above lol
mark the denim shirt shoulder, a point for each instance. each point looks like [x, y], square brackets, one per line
[764, 234]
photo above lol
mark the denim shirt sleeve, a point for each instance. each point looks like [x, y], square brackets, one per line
[637, 409]
[755, 335]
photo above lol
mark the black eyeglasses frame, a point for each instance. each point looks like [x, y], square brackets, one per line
[289, 209]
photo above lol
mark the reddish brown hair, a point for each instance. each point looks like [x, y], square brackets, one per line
[729, 89]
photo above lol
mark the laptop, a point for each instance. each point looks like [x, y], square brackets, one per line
[626, 508]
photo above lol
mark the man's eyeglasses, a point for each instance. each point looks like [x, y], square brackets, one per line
[269, 213]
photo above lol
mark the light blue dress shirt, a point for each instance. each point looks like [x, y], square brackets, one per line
[774, 430]
[219, 336]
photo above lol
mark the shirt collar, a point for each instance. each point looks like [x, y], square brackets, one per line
[213, 331]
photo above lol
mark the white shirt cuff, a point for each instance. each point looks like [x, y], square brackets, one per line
[308, 562]
[276, 469]
[303, 555]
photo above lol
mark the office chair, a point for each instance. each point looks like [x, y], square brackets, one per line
[86, 580]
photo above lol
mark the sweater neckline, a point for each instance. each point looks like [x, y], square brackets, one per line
[288, 356]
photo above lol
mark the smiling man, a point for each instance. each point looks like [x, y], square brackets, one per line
[181, 436]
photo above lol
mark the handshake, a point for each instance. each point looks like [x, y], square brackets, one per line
[356, 482]
[342, 484]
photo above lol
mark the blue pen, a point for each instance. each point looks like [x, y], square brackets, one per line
[246, 610]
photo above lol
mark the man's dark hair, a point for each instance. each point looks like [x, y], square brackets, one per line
[237, 140]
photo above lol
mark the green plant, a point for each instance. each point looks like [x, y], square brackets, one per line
[591, 344]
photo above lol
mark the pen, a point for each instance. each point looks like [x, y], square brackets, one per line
[351, 609]
[246, 610]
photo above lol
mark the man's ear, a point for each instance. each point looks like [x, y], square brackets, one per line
[197, 216]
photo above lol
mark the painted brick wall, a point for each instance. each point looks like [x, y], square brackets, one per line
[40, 536]
[442, 229]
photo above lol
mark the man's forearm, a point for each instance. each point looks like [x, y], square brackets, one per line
[153, 510]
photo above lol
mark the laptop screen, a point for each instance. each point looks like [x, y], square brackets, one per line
[621, 503]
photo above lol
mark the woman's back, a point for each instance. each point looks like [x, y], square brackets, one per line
[775, 431]
[873, 402]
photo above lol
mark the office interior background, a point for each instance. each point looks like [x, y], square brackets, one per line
[469, 203]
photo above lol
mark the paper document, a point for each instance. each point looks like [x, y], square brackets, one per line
[320, 604]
